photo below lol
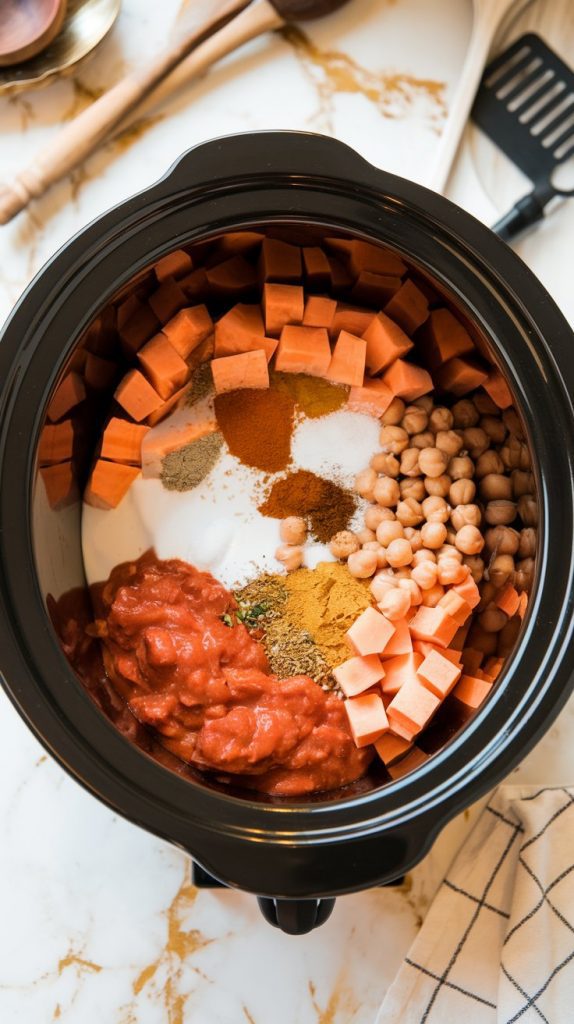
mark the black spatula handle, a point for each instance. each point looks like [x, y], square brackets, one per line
[523, 215]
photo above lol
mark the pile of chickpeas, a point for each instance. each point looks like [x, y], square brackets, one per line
[451, 492]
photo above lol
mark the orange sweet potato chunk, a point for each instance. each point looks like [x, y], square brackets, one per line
[317, 268]
[434, 625]
[493, 667]
[303, 350]
[370, 633]
[469, 591]
[508, 600]
[59, 483]
[232, 277]
[175, 264]
[445, 338]
[282, 304]
[242, 320]
[373, 258]
[122, 441]
[408, 307]
[358, 674]
[496, 387]
[69, 393]
[319, 311]
[472, 691]
[166, 407]
[401, 641]
[372, 398]
[99, 373]
[367, 718]
[408, 381]
[56, 443]
[109, 483]
[280, 261]
[456, 606]
[167, 300]
[246, 370]
[374, 289]
[399, 670]
[391, 747]
[188, 329]
[460, 375]
[163, 366]
[353, 319]
[347, 364]
[471, 659]
[386, 341]
[141, 325]
[412, 707]
[438, 674]
[424, 648]
[136, 396]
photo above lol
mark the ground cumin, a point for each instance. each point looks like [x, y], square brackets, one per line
[313, 396]
[325, 506]
[257, 426]
[185, 468]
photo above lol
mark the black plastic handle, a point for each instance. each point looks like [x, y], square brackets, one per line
[523, 215]
[296, 917]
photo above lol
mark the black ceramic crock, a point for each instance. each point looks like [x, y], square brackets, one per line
[294, 854]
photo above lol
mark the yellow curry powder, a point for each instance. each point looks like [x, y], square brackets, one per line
[313, 396]
[325, 602]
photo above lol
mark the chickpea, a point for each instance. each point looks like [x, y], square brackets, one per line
[389, 531]
[525, 457]
[494, 428]
[481, 640]
[290, 555]
[384, 462]
[522, 483]
[461, 467]
[409, 512]
[462, 492]
[433, 535]
[441, 418]
[513, 423]
[414, 538]
[424, 440]
[438, 485]
[494, 486]
[410, 462]
[395, 604]
[450, 535]
[524, 573]
[425, 575]
[476, 565]
[343, 544]
[380, 585]
[476, 441]
[415, 420]
[527, 543]
[364, 483]
[425, 402]
[362, 564]
[365, 536]
[449, 551]
[293, 530]
[469, 540]
[465, 515]
[450, 442]
[399, 553]
[465, 414]
[411, 587]
[412, 487]
[435, 509]
[500, 512]
[432, 596]
[394, 413]
[501, 570]
[402, 573]
[393, 439]
[376, 514]
[511, 454]
[485, 405]
[502, 540]
[386, 491]
[528, 509]
[424, 555]
[451, 572]
[492, 619]
[488, 594]
[433, 462]
[488, 462]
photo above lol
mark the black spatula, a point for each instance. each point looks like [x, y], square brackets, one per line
[525, 104]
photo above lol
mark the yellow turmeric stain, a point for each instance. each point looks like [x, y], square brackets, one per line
[73, 960]
[341, 1001]
[134, 132]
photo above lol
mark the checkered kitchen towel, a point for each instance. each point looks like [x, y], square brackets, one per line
[497, 944]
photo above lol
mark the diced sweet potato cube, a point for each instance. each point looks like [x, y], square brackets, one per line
[182, 428]
[342, 246]
[139, 328]
[126, 309]
[445, 337]
[239, 241]
[374, 289]
[523, 604]
[246, 370]
[341, 277]
[460, 375]
[303, 350]
[424, 647]
[370, 633]
[412, 707]
[401, 640]
[166, 407]
[319, 311]
[413, 759]
[372, 397]
[459, 639]
[399, 730]
[136, 396]
[167, 300]
[56, 443]
[406, 380]
[109, 483]
[367, 718]
[469, 591]
[241, 320]
[317, 269]
[408, 307]
[495, 385]
[99, 373]
[456, 606]
[232, 277]
[493, 667]
[391, 747]
[471, 659]
[188, 329]
[434, 625]
[472, 691]
[508, 599]
[164, 367]
[399, 670]
[282, 304]
[350, 318]
[279, 261]
[347, 365]
[59, 483]
[386, 341]
[195, 285]
[366, 256]
[358, 674]
[122, 441]
[175, 264]
[438, 674]
[69, 393]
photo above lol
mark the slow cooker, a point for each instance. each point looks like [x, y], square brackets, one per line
[295, 856]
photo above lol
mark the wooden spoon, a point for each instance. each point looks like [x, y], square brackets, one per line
[237, 22]
[27, 27]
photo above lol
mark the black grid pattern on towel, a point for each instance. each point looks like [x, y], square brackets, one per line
[482, 904]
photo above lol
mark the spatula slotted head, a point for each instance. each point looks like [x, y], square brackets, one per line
[525, 104]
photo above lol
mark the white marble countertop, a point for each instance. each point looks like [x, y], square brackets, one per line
[99, 920]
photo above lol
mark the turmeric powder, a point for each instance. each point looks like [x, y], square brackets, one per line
[325, 602]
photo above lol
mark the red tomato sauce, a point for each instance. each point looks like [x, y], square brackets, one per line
[205, 688]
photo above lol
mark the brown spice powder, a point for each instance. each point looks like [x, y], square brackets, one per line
[327, 507]
[257, 426]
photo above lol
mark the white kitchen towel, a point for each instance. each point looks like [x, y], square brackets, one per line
[497, 945]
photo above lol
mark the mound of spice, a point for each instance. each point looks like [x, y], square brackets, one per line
[257, 426]
[325, 506]
[185, 468]
[313, 396]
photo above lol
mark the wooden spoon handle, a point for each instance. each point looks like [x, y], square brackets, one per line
[78, 139]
